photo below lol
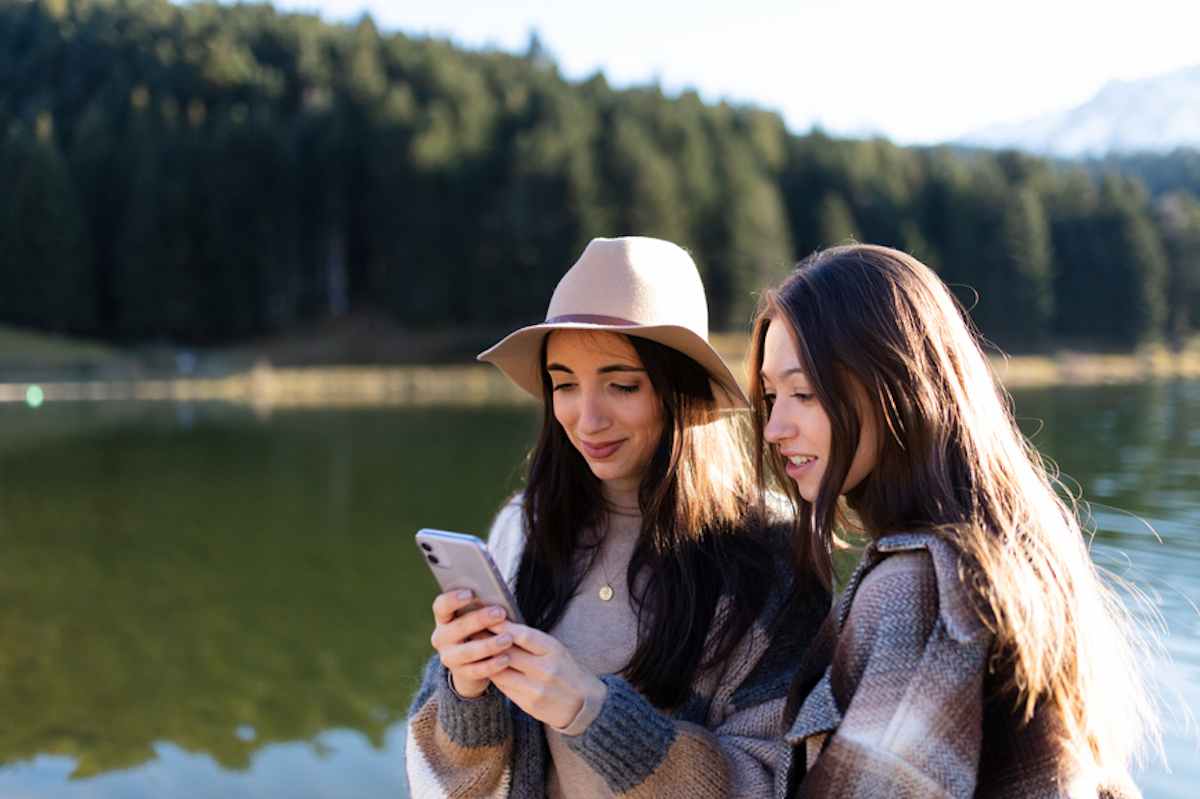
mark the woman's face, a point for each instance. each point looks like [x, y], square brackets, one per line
[798, 426]
[605, 403]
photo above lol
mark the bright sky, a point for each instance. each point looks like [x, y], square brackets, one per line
[918, 71]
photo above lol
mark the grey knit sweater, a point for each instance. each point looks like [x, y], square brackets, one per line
[724, 741]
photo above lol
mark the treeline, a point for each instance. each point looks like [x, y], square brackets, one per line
[1162, 173]
[207, 173]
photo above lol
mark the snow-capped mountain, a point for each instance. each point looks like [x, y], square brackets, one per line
[1154, 114]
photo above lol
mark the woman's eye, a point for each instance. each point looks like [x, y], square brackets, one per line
[564, 386]
[769, 399]
[802, 396]
[624, 389]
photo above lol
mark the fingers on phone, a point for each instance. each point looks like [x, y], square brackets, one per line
[449, 603]
[531, 640]
[463, 628]
[484, 669]
[475, 621]
[476, 651]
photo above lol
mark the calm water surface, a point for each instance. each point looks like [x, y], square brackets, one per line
[197, 601]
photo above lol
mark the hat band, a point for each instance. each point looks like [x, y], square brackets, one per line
[589, 319]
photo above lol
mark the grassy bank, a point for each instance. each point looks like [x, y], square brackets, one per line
[24, 349]
[50, 371]
[267, 387]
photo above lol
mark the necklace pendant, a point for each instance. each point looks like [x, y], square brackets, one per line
[606, 592]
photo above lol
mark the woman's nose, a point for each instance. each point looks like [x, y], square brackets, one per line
[593, 416]
[777, 429]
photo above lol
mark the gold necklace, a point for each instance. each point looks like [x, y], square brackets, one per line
[606, 590]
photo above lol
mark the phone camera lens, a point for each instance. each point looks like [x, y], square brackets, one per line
[426, 547]
[432, 559]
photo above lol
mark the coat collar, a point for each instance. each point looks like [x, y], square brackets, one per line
[956, 607]
[819, 713]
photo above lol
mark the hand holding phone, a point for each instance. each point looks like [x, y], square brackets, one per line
[460, 561]
[475, 598]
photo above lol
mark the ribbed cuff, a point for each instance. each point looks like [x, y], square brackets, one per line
[588, 711]
[628, 740]
[480, 721]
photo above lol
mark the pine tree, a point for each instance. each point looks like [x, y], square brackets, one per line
[1111, 285]
[1178, 215]
[45, 268]
[835, 221]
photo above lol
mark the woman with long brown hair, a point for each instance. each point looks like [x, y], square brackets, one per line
[975, 651]
[642, 561]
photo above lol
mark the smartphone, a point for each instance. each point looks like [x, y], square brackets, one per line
[458, 561]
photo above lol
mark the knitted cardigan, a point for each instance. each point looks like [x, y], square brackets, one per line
[899, 701]
[722, 742]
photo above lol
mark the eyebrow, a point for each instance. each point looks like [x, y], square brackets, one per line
[616, 367]
[795, 370]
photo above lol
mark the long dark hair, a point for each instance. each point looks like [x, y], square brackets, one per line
[702, 532]
[871, 321]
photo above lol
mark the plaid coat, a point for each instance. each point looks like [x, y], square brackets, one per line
[723, 742]
[898, 700]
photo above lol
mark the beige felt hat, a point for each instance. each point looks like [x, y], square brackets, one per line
[642, 287]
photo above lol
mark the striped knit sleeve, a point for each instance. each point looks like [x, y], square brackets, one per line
[732, 750]
[457, 747]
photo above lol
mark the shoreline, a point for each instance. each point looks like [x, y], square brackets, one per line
[266, 387]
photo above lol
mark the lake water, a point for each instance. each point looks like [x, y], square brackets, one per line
[200, 601]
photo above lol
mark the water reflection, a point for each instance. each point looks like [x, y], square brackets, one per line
[195, 601]
[337, 763]
[223, 584]
[1135, 453]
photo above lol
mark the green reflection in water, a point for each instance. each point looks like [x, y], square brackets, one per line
[202, 577]
[1133, 449]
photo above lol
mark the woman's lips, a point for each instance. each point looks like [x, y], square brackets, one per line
[599, 452]
[798, 470]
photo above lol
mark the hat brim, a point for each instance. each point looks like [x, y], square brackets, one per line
[518, 353]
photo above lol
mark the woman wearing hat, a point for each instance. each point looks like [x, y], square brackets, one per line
[641, 559]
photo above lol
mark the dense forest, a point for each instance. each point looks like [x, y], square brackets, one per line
[203, 174]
